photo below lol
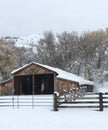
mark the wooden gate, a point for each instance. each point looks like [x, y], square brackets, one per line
[88, 100]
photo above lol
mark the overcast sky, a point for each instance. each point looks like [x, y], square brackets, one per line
[25, 17]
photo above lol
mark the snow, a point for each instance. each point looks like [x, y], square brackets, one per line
[44, 118]
[25, 41]
[61, 74]
[69, 76]
[102, 87]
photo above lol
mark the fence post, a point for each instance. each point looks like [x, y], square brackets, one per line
[13, 98]
[17, 101]
[13, 101]
[32, 101]
[55, 102]
[101, 101]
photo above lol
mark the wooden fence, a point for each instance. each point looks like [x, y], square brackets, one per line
[66, 100]
[87, 100]
[31, 100]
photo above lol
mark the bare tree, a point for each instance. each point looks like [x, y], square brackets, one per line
[68, 47]
[9, 58]
[46, 49]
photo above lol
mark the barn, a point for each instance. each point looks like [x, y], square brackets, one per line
[35, 78]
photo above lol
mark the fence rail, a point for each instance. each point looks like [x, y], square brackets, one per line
[88, 100]
[32, 100]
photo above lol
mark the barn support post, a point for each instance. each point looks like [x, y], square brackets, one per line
[33, 91]
[54, 82]
[101, 101]
[55, 102]
[55, 95]
[13, 91]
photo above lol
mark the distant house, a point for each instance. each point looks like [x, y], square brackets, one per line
[35, 78]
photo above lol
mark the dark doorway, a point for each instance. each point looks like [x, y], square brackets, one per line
[44, 83]
[89, 88]
[23, 85]
[40, 83]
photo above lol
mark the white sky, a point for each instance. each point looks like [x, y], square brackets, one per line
[25, 17]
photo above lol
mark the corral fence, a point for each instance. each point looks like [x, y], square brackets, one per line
[66, 100]
[31, 100]
[82, 100]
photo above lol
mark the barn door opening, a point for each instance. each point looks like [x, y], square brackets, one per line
[34, 84]
[44, 83]
[23, 85]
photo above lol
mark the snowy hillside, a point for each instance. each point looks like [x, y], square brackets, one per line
[27, 40]
[24, 41]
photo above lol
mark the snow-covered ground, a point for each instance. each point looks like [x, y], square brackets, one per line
[44, 118]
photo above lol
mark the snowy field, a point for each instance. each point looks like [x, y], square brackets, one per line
[44, 118]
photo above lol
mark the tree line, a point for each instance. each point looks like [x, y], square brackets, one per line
[84, 55]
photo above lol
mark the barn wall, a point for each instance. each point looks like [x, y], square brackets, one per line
[6, 88]
[62, 85]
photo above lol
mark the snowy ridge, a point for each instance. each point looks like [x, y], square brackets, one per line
[26, 41]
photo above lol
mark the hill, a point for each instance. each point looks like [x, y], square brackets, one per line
[24, 41]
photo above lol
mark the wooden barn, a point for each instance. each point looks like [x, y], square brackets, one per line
[35, 78]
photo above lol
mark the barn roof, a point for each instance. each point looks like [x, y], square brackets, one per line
[61, 74]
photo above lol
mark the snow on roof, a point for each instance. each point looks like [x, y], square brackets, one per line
[61, 74]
